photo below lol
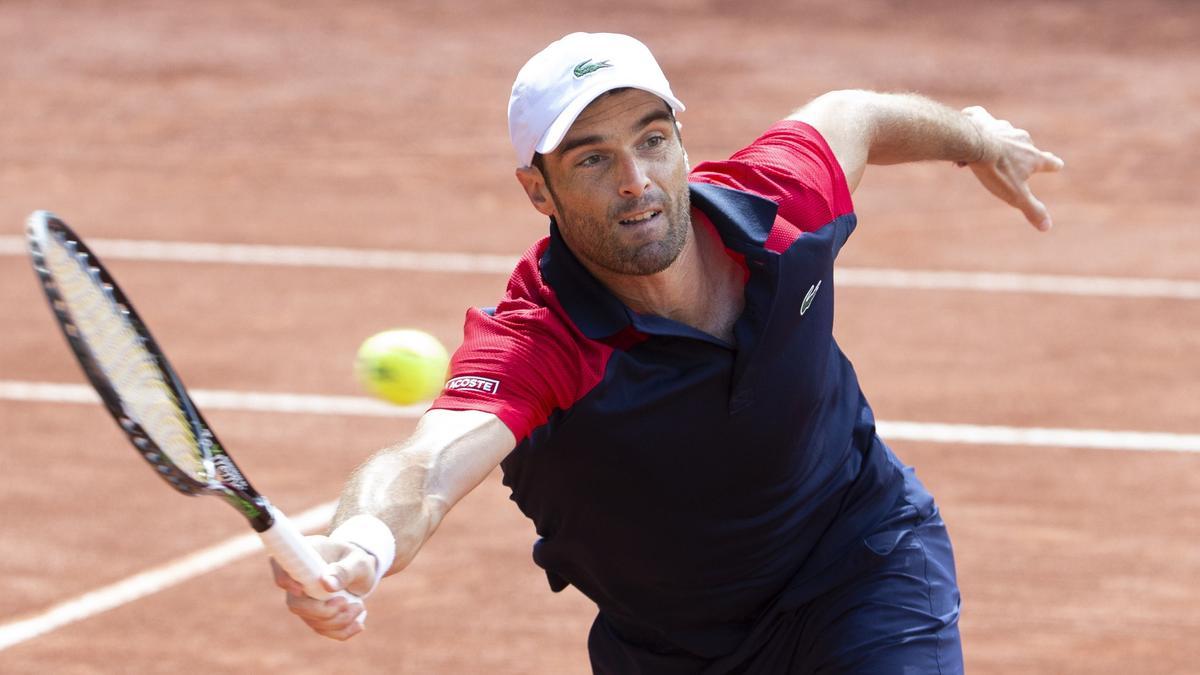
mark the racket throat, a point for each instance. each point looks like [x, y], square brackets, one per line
[257, 511]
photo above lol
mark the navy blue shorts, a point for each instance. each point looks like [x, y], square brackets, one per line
[892, 610]
[897, 614]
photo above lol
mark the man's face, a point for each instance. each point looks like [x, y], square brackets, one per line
[618, 185]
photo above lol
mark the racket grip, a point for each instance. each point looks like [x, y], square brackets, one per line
[287, 545]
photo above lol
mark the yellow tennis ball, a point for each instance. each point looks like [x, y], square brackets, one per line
[403, 366]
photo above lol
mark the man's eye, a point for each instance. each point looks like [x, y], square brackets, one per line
[589, 160]
[654, 141]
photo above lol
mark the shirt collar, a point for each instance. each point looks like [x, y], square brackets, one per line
[743, 220]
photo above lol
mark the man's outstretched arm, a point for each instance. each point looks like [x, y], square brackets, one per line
[864, 127]
[392, 504]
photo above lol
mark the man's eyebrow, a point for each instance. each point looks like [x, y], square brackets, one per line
[569, 145]
[649, 118]
[653, 116]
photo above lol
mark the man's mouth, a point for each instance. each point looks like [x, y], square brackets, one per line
[639, 218]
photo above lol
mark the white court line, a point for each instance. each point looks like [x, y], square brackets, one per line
[213, 557]
[998, 282]
[287, 256]
[356, 406]
[148, 582]
[213, 399]
[476, 263]
[972, 434]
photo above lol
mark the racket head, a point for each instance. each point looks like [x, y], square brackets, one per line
[131, 374]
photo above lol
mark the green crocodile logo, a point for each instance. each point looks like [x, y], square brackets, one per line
[587, 67]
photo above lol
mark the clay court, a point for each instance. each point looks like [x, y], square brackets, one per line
[294, 128]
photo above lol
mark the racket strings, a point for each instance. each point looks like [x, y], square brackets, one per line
[132, 371]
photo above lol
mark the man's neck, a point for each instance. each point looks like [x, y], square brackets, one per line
[701, 288]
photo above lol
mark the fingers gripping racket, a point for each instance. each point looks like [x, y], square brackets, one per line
[147, 399]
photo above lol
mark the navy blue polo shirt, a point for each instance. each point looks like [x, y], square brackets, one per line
[690, 487]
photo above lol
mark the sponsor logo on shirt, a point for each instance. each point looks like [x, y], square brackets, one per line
[484, 385]
[808, 297]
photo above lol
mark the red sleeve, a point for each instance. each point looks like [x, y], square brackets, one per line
[792, 165]
[524, 360]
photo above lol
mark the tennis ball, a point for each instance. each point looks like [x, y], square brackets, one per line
[403, 366]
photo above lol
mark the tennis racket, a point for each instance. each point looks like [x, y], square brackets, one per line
[147, 399]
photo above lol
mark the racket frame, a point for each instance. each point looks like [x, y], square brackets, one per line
[282, 539]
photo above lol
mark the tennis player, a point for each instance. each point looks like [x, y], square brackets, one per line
[662, 390]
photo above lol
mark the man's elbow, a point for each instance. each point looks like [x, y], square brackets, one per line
[840, 104]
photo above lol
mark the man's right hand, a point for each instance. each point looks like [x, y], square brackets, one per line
[415, 483]
[350, 568]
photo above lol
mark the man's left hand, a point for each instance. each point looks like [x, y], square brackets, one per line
[1008, 160]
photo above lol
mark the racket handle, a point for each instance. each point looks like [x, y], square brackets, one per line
[287, 545]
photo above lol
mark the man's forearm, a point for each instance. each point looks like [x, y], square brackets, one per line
[864, 127]
[912, 128]
[411, 487]
[393, 486]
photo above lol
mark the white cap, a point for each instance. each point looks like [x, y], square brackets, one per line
[561, 80]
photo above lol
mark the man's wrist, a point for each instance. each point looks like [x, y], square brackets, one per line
[980, 148]
[373, 536]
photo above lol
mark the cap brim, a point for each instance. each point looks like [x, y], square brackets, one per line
[561, 124]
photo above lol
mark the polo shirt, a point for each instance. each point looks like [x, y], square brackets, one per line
[689, 486]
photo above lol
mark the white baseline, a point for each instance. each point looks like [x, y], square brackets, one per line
[479, 263]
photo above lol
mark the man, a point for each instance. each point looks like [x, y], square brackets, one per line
[661, 387]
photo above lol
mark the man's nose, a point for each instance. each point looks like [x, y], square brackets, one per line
[634, 178]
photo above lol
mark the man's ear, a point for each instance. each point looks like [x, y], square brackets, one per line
[530, 178]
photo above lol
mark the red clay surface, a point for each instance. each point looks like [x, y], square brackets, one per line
[368, 124]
